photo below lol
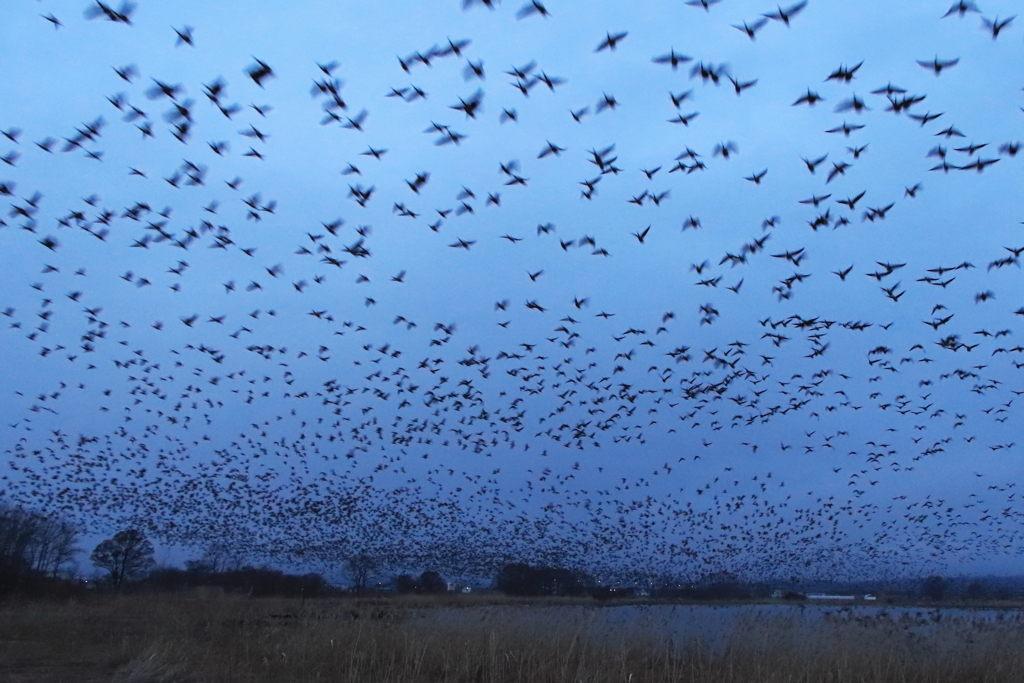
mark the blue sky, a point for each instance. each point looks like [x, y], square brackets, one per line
[267, 369]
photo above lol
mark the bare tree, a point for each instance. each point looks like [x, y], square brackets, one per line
[222, 557]
[359, 568]
[55, 546]
[17, 532]
[218, 557]
[33, 543]
[124, 556]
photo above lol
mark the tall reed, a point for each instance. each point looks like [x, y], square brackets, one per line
[155, 639]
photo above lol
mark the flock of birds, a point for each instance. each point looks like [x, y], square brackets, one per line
[616, 376]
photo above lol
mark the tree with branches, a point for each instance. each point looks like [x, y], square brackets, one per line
[359, 567]
[56, 546]
[33, 543]
[126, 555]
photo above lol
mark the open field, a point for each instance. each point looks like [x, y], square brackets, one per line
[154, 638]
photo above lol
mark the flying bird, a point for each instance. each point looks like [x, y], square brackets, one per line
[784, 15]
[184, 36]
[673, 59]
[122, 15]
[844, 74]
[531, 8]
[994, 26]
[809, 98]
[259, 72]
[611, 41]
[704, 4]
[960, 8]
[751, 29]
[937, 65]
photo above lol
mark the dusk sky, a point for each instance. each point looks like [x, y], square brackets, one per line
[658, 288]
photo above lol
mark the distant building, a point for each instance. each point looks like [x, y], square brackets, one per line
[779, 594]
[827, 596]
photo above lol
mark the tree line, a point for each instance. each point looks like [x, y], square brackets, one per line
[38, 554]
[34, 545]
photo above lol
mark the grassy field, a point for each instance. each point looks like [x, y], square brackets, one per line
[137, 639]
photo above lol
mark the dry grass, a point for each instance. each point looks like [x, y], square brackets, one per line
[156, 639]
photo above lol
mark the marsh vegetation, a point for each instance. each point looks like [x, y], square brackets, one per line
[202, 637]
